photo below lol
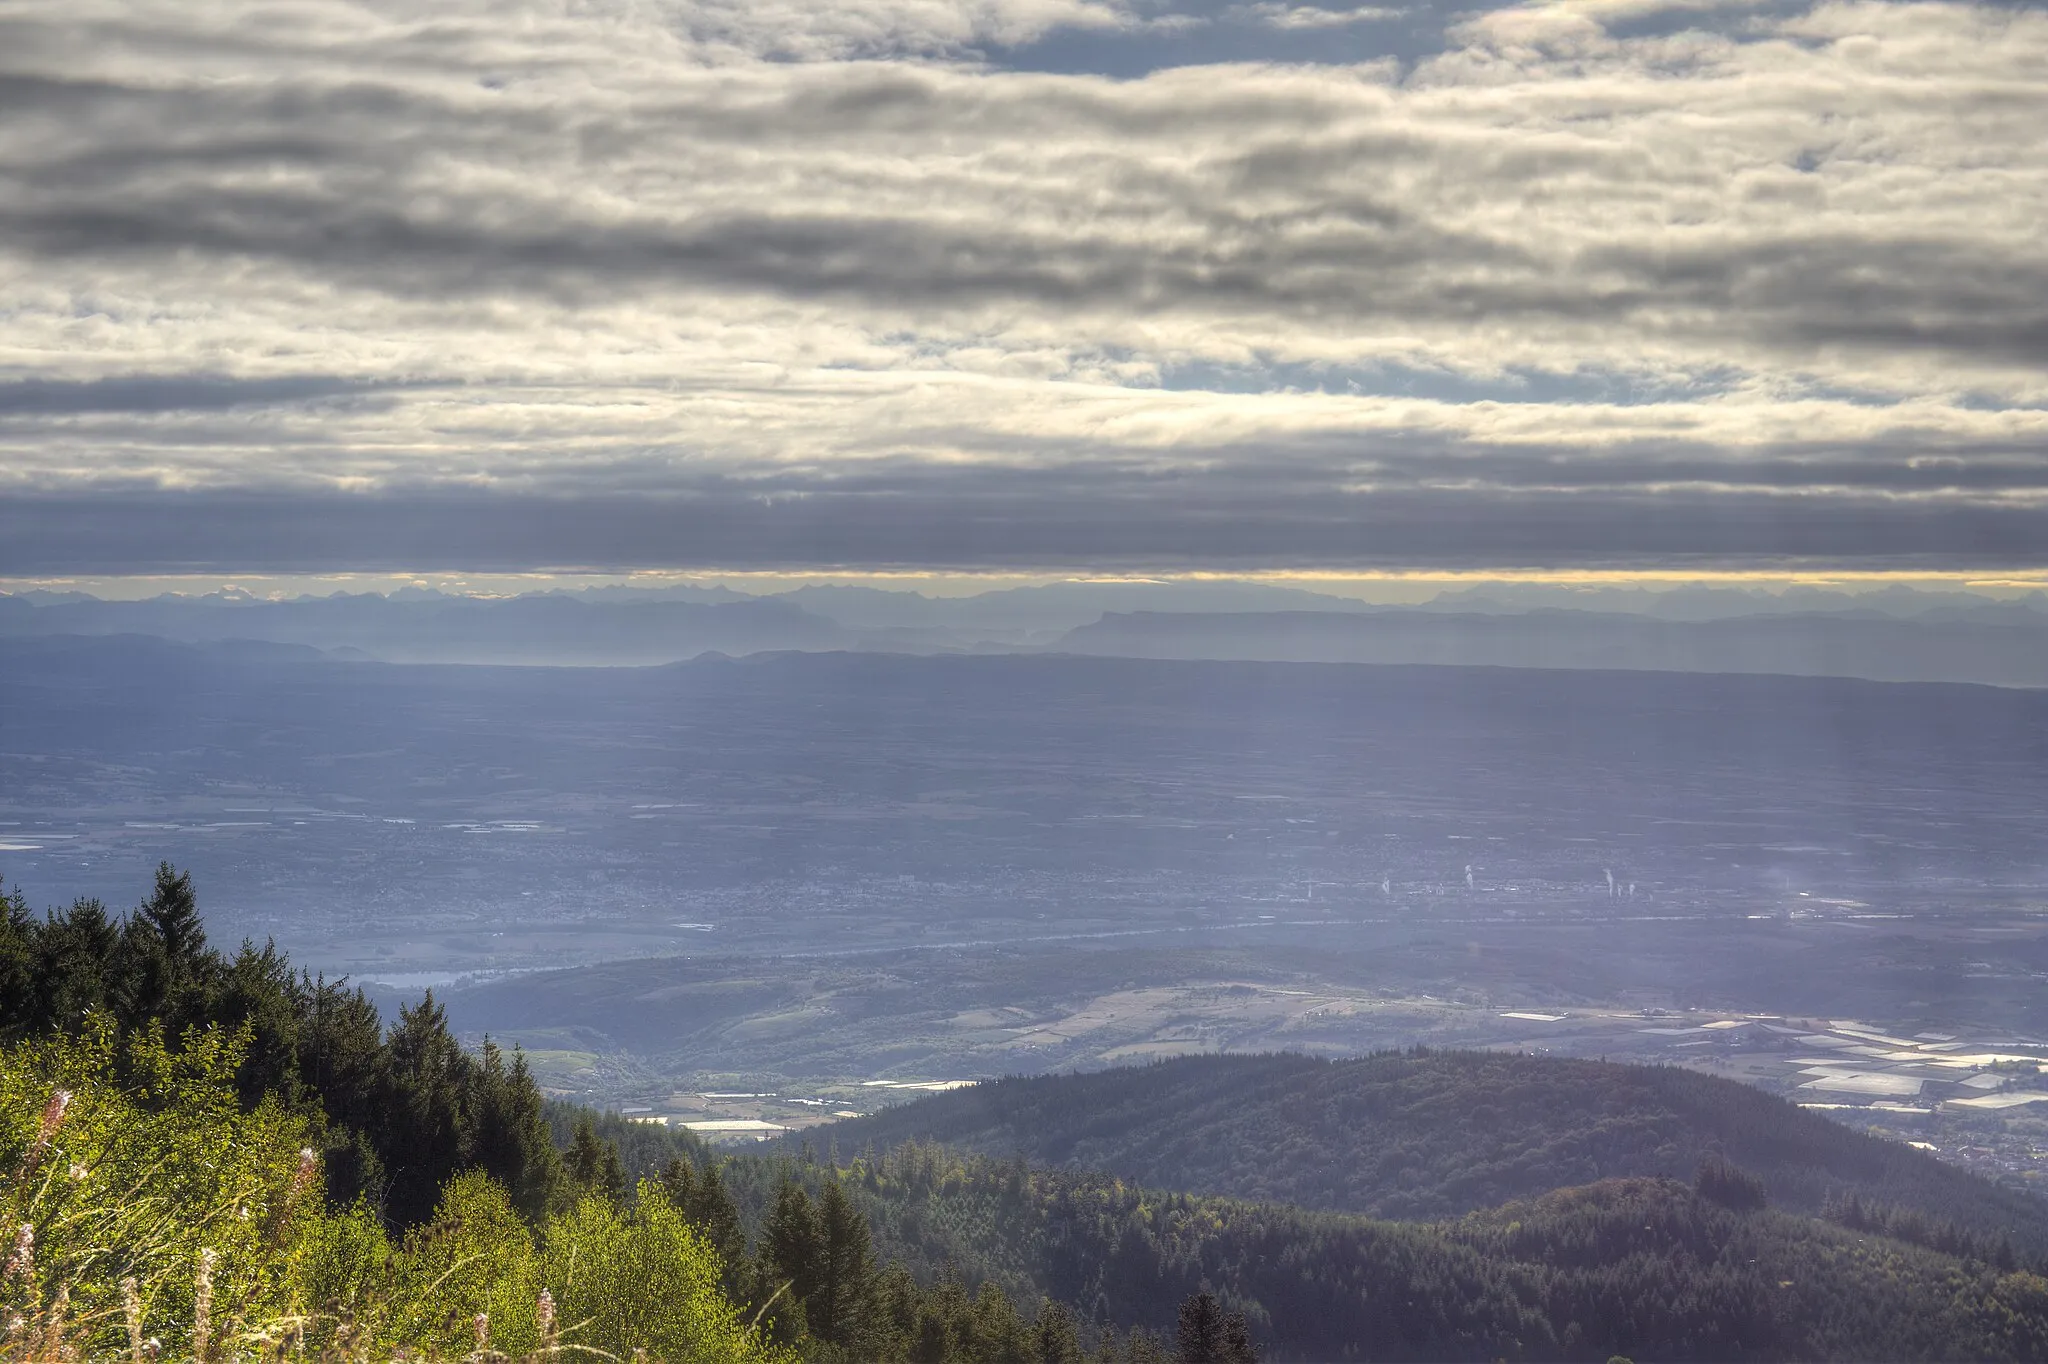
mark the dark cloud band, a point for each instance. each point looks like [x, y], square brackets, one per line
[1165, 527]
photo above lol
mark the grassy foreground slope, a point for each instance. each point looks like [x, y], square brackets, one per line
[150, 1214]
[1433, 1134]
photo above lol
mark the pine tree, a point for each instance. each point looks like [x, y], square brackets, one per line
[18, 970]
[791, 1259]
[679, 1182]
[511, 1140]
[719, 1218]
[611, 1177]
[172, 914]
[593, 1163]
[999, 1334]
[1237, 1341]
[158, 967]
[72, 967]
[838, 1307]
[1054, 1336]
[1200, 1335]
[421, 1138]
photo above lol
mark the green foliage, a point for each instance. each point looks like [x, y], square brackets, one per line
[643, 1278]
[148, 1177]
[593, 1164]
[393, 1117]
[645, 1148]
[133, 1163]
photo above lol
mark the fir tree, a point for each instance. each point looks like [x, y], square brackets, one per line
[837, 1306]
[719, 1219]
[679, 1182]
[791, 1258]
[1053, 1335]
[511, 1141]
[593, 1163]
[1237, 1341]
[172, 915]
[421, 1144]
[1200, 1333]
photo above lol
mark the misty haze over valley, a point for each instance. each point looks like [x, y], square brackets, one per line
[796, 875]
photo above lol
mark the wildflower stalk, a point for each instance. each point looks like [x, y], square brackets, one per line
[21, 1260]
[53, 1348]
[131, 1308]
[202, 1306]
[544, 1310]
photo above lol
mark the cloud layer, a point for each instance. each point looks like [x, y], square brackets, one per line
[508, 284]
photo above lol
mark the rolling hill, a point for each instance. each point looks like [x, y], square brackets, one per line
[1432, 1134]
[1646, 1268]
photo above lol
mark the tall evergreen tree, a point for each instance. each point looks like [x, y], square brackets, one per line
[1237, 1341]
[18, 969]
[257, 990]
[679, 1182]
[838, 1306]
[593, 1163]
[999, 1334]
[172, 915]
[718, 1217]
[422, 1143]
[162, 958]
[791, 1258]
[1200, 1334]
[511, 1140]
[74, 968]
[1054, 1335]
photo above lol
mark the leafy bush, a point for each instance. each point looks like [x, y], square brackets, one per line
[149, 1213]
[157, 1179]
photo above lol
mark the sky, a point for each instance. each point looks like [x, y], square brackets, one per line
[1022, 287]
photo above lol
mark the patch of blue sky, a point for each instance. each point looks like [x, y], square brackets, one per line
[1179, 33]
[1733, 17]
[1514, 385]
[1205, 32]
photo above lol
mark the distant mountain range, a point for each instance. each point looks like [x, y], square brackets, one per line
[1881, 648]
[1894, 635]
[430, 628]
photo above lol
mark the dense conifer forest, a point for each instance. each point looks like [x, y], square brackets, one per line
[207, 1156]
[1432, 1134]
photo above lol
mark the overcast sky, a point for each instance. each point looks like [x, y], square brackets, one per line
[1021, 285]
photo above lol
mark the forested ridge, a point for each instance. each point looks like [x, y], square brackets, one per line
[211, 1149]
[1432, 1134]
[1644, 1267]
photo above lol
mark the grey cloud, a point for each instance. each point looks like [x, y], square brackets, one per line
[158, 393]
[1284, 229]
[560, 218]
[1242, 519]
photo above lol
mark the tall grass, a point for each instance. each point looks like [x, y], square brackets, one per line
[147, 1217]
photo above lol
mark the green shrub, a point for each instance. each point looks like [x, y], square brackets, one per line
[158, 1178]
[143, 1202]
